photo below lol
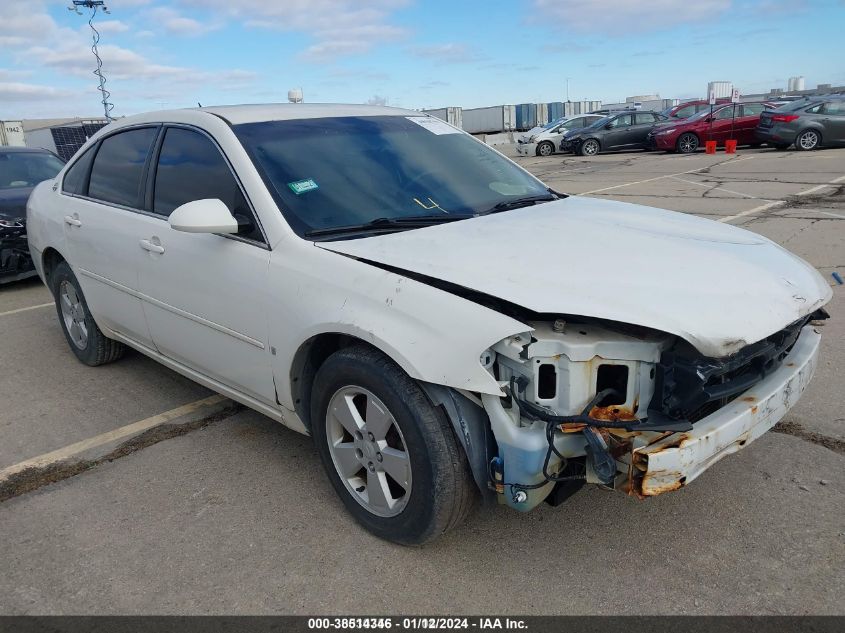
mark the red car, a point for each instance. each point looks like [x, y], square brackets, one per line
[729, 121]
[686, 109]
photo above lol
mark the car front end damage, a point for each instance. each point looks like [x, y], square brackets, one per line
[15, 260]
[631, 408]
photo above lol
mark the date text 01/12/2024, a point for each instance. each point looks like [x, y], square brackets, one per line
[416, 623]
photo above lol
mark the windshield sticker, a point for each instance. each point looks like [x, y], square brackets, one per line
[302, 186]
[433, 125]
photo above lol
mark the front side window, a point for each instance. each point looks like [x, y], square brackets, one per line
[191, 167]
[119, 167]
[27, 169]
[622, 121]
[685, 112]
[836, 108]
[752, 109]
[726, 113]
[339, 172]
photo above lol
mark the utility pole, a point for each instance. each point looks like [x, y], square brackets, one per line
[94, 5]
[567, 88]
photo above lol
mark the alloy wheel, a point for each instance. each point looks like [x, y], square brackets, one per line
[73, 313]
[808, 140]
[368, 451]
[688, 143]
[545, 149]
[591, 148]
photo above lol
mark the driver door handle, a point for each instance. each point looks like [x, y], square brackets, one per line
[147, 245]
[73, 221]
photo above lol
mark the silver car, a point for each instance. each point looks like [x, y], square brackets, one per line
[808, 124]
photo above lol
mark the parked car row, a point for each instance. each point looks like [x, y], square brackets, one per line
[685, 128]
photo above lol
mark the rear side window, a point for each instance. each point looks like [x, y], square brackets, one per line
[834, 107]
[119, 167]
[76, 178]
[645, 117]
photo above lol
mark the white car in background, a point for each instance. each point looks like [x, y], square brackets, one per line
[544, 140]
[444, 325]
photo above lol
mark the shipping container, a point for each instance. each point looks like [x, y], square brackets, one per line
[526, 116]
[555, 109]
[542, 114]
[489, 120]
[452, 115]
[11, 134]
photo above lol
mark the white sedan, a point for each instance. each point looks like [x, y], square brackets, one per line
[444, 325]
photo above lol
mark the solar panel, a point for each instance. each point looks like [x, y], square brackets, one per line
[69, 138]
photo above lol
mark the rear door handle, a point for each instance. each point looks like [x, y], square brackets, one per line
[73, 220]
[147, 245]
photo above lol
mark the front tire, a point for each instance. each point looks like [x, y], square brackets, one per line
[808, 140]
[590, 147]
[391, 456]
[688, 143]
[84, 338]
[545, 149]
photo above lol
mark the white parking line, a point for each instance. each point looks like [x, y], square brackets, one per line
[704, 184]
[79, 448]
[42, 305]
[680, 173]
[778, 203]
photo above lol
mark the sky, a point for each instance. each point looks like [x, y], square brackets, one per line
[161, 54]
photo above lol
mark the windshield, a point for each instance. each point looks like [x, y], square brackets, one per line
[27, 169]
[336, 172]
[796, 105]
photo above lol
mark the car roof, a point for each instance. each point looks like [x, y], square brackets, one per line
[237, 114]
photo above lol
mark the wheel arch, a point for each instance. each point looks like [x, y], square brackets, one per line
[50, 258]
[468, 420]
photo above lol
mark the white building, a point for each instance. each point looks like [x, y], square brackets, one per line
[721, 89]
[795, 83]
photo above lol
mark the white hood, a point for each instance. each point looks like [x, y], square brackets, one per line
[717, 286]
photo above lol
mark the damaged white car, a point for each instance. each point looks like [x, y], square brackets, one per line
[444, 325]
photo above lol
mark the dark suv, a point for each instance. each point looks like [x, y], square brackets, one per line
[808, 124]
[624, 130]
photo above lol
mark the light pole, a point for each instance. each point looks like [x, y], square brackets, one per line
[94, 5]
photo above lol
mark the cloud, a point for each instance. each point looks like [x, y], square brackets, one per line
[175, 23]
[450, 53]
[339, 27]
[626, 16]
[22, 24]
[110, 26]
[30, 92]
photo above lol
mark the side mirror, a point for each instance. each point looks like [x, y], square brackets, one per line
[610, 126]
[708, 119]
[203, 216]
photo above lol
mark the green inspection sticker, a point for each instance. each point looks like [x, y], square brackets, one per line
[302, 186]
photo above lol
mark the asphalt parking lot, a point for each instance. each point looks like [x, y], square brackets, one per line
[225, 511]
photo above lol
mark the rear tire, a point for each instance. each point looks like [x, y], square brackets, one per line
[367, 413]
[545, 149]
[688, 143]
[808, 140]
[590, 147]
[84, 338]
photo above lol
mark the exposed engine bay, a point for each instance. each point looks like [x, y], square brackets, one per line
[582, 398]
[15, 260]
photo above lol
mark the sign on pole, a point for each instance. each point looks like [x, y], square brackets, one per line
[734, 96]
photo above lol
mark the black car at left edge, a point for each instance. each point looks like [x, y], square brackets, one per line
[21, 168]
